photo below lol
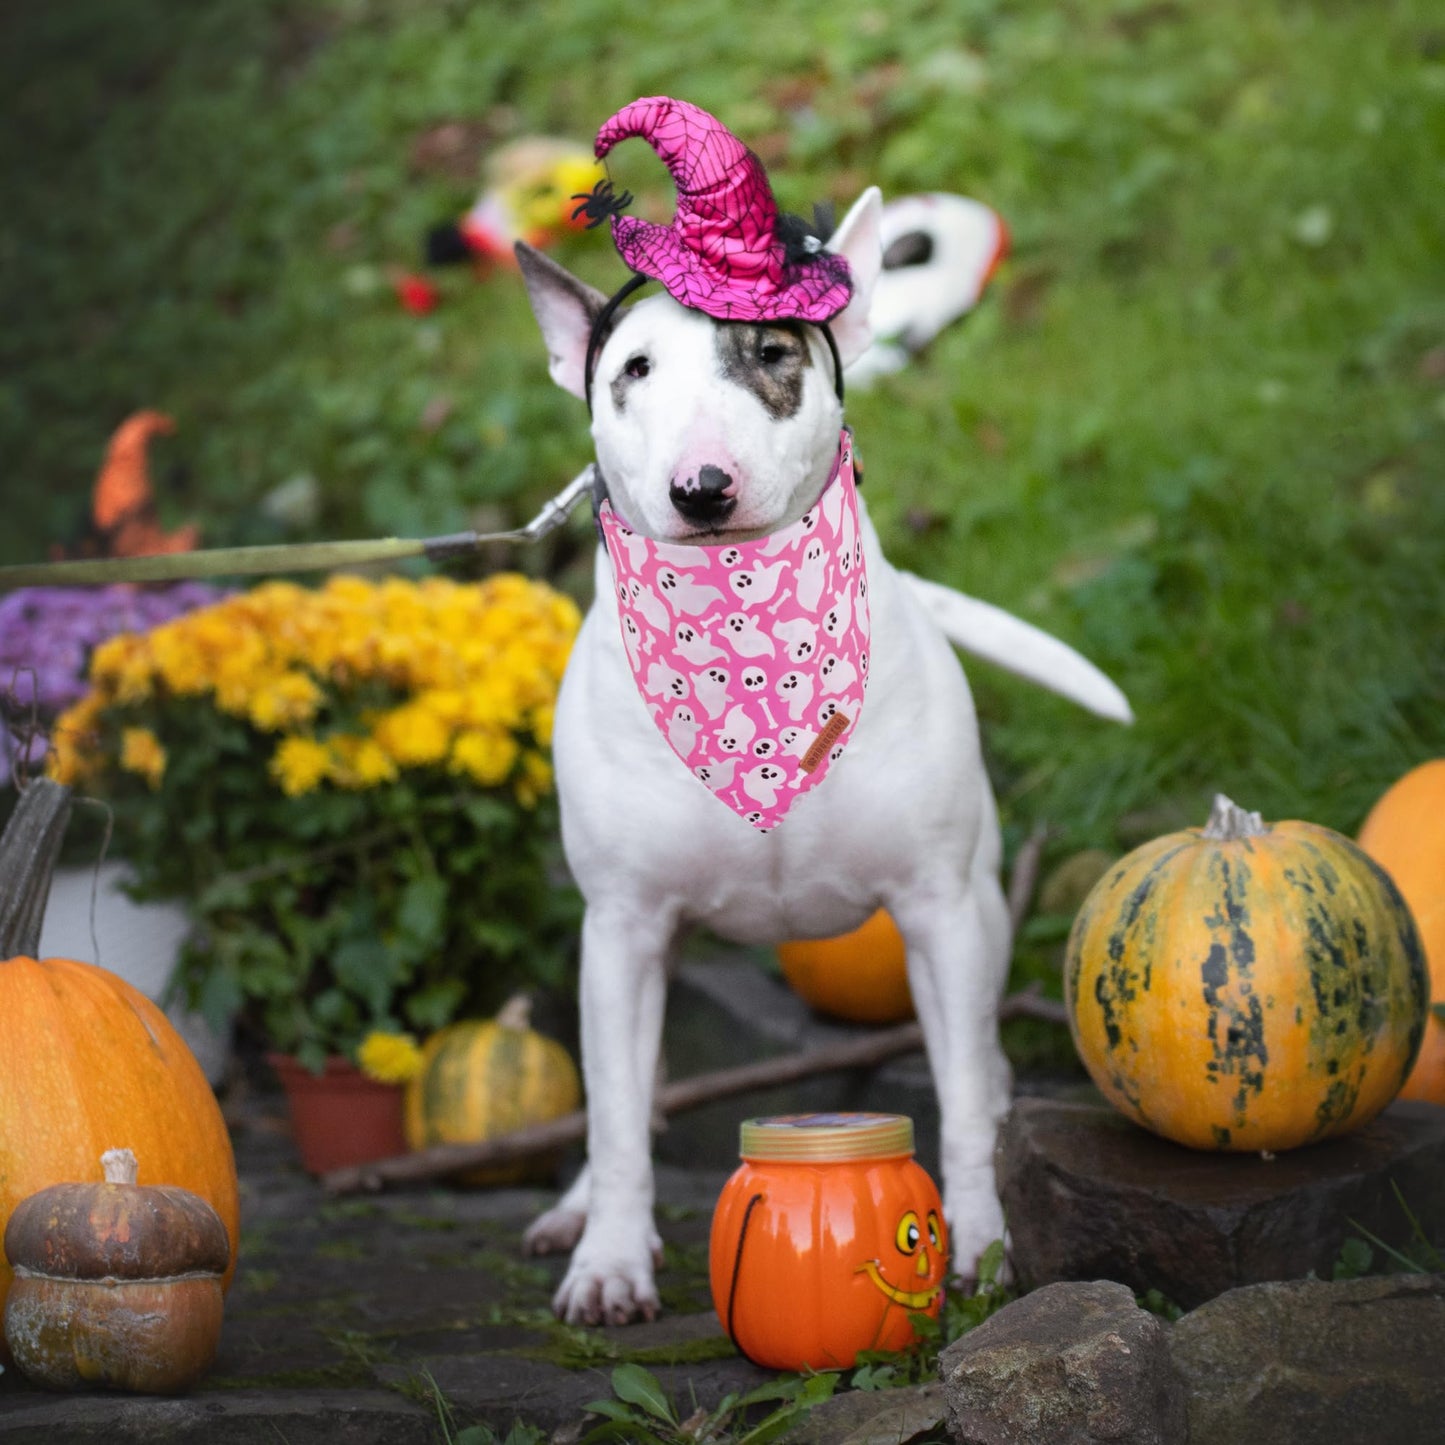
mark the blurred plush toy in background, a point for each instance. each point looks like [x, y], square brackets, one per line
[123, 507]
[939, 252]
[528, 191]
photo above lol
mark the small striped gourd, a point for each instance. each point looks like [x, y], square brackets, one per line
[1405, 834]
[1246, 986]
[482, 1078]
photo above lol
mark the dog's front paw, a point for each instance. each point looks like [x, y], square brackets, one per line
[975, 1223]
[556, 1231]
[608, 1287]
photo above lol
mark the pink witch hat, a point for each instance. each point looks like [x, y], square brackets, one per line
[723, 253]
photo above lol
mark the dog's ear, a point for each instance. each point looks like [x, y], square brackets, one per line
[860, 240]
[566, 309]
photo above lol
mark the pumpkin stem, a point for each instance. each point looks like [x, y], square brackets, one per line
[516, 1013]
[1228, 822]
[28, 850]
[120, 1166]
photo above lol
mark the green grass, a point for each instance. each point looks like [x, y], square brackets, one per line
[1198, 430]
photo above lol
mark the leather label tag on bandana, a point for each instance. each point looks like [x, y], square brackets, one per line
[751, 657]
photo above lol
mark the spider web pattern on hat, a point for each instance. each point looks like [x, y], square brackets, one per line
[723, 254]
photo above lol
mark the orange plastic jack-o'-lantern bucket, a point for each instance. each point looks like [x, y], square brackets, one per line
[826, 1240]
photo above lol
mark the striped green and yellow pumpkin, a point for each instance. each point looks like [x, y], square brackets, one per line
[1247, 986]
[482, 1078]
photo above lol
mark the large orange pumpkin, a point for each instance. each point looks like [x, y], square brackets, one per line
[87, 1062]
[861, 976]
[1405, 834]
[1246, 986]
[826, 1241]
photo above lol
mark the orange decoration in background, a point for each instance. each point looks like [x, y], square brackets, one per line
[123, 506]
[1405, 834]
[860, 976]
[826, 1241]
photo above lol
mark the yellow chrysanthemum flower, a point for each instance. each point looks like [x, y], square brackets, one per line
[121, 668]
[535, 781]
[389, 1058]
[473, 669]
[141, 752]
[541, 720]
[486, 756]
[299, 764]
[360, 762]
[413, 735]
[73, 756]
[284, 700]
[178, 661]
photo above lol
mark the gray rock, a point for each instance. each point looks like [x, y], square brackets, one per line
[1088, 1195]
[874, 1417]
[1315, 1363]
[1070, 1364]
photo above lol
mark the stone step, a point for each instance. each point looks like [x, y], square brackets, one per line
[1302, 1362]
[1089, 1195]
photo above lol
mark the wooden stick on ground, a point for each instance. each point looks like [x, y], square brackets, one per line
[1025, 876]
[859, 1053]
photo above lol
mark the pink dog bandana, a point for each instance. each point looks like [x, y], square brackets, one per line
[752, 657]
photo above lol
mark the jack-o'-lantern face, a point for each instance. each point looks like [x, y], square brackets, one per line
[828, 1241]
[911, 1274]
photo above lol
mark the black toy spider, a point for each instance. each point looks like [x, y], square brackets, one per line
[600, 203]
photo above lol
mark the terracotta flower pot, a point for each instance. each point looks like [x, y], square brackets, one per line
[340, 1117]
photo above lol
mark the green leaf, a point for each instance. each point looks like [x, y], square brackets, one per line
[312, 1055]
[1356, 1259]
[611, 1409]
[219, 998]
[435, 1005]
[422, 912]
[638, 1386]
[365, 967]
[989, 1264]
[874, 1377]
[811, 1390]
[487, 814]
[630, 1427]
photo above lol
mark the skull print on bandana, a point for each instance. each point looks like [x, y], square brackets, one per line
[751, 657]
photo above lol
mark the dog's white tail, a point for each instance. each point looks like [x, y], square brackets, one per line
[1018, 647]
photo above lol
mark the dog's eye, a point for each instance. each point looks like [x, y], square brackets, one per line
[638, 367]
[770, 353]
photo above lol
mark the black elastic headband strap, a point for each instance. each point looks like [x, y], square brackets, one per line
[602, 325]
[837, 360]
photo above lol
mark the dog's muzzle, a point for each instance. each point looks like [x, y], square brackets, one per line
[751, 657]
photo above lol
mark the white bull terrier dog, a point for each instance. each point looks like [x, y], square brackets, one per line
[723, 467]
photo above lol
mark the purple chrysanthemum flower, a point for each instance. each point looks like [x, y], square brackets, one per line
[47, 635]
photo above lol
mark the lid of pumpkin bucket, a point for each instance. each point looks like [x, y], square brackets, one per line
[826, 1138]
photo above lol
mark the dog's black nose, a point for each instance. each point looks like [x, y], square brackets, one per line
[703, 499]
